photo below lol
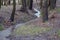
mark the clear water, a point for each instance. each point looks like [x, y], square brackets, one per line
[38, 13]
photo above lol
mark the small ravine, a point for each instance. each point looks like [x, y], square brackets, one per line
[7, 32]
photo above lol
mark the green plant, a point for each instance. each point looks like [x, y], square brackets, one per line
[30, 30]
[1, 27]
[58, 32]
[58, 9]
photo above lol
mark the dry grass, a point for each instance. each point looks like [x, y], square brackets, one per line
[30, 30]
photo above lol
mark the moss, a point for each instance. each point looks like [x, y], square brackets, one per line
[58, 32]
[58, 9]
[1, 27]
[30, 30]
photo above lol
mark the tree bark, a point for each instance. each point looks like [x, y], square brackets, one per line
[41, 1]
[45, 11]
[9, 2]
[0, 3]
[24, 6]
[31, 5]
[52, 4]
[13, 11]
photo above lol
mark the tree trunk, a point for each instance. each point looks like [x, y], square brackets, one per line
[13, 11]
[31, 4]
[24, 7]
[9, 2]
[45, 11]
[41, 1]
[52, 4]
[0, 3]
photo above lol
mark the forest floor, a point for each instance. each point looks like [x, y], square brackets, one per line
[35, 29]
[20, 17]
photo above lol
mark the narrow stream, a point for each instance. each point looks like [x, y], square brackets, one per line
[38, 13]
[7, 32]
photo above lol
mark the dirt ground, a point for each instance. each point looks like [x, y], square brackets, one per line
[20, 17]
[53, 23]
[50, 35]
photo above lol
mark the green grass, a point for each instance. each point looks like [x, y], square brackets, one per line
[1, 28]
[58, 32]
[58, 9]
[30, 30]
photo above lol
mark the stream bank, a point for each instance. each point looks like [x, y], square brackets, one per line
[7, 32]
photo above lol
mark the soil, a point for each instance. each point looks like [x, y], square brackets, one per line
[51, 35]
[22, 17]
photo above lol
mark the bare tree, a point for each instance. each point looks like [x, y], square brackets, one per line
[9, 1]
[31, 4]
[41, 1]
[44, 10]
[24, 6]
[52, 4]
[0, 3]
[13, 11]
